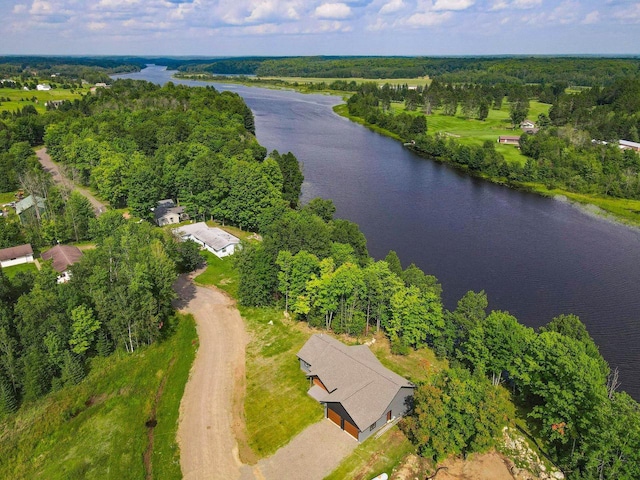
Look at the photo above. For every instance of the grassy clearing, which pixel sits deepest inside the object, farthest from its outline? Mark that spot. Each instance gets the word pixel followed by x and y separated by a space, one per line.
pixel 97 429
pixel 7 197
pixel 416 366
pixel 475 132
pixel 274 380
pixel 374 456
pixel 219 273
pixel 420 81
pixel 19 98
pixel 25 267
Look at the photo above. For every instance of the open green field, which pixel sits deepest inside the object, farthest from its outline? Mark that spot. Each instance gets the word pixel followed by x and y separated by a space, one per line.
pixel 11 272
pixel 475 132
pixel 412 82
pixel 19 98
pixel 97 429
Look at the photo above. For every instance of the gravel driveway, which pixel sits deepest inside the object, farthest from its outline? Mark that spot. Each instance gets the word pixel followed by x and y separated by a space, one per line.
pixel 208 447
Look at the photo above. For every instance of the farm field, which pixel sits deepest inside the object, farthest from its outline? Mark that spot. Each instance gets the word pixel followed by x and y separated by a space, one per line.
pixel 476 132
pixel 19 98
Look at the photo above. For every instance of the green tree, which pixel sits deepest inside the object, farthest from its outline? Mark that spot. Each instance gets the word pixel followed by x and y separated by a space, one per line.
pixel 79 213
pixel 325 209
pixel 393 261
pixel 456 414
pixel 416 317
pixel 84 329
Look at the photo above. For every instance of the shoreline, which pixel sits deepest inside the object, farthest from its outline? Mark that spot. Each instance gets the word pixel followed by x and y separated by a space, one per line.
pixel 587 207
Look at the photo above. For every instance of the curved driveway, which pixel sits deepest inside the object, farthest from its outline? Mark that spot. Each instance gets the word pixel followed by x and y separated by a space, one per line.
pixel 208 447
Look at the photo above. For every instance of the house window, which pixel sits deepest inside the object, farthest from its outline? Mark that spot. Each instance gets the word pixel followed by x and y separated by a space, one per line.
pixel 372 427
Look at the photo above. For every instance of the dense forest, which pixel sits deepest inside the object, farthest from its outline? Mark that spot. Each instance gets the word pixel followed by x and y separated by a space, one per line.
pixel 136 143
pixel 584 71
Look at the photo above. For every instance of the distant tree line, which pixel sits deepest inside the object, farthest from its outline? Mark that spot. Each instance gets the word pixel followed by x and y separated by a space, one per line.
pixel 583 71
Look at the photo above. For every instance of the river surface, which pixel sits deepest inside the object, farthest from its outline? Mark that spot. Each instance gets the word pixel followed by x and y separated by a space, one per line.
pixel 535 257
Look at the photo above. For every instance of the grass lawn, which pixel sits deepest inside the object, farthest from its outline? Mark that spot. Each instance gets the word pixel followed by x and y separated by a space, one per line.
pixel 274 380
pixel 374 456
pixel 97 429
pixel 19 98
pixel 219 273
pixel 416 366
pixel 421 81
pixel 475 132
pixel 11 272
pixel 7 197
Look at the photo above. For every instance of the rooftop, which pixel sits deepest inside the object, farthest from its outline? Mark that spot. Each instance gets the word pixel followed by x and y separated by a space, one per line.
pixel 62 256
pixel 354 377
pixel 27 203
pixel 214 237
pixel 15 252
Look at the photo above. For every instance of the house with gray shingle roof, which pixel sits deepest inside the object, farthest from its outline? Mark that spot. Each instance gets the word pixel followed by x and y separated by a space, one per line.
pixel 359 394
pixel 216 240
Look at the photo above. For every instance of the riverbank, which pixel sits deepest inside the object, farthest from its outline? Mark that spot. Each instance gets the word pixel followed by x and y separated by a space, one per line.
pixel 620 210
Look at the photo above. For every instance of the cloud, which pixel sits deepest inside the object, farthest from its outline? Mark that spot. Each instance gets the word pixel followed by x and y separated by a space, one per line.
pixel 515 4
pixel 333 11
pixel 591 18
pixel 630 14
pixel 427 19
pixel 452 4
pixel 392 7
pixel 19 8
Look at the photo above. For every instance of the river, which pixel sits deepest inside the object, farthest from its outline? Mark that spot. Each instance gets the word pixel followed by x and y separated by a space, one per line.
pixel 535 257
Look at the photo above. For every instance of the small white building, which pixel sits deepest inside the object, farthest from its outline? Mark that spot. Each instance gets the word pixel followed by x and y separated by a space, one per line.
pixel 216 240
pixel 628 145
pixel 166 213
pixel 43 87
pixel 16 255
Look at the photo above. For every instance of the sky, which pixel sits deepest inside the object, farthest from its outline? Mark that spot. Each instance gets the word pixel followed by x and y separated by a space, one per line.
pixel 319 27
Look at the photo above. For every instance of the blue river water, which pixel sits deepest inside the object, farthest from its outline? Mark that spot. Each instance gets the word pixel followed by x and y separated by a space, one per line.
pixel 534 257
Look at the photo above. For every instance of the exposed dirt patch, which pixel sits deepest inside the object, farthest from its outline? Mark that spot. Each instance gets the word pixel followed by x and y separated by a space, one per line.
pixel 211 407
pixel 488 466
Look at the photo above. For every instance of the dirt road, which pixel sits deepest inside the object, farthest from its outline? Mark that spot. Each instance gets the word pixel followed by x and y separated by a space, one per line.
pixel 60 179
pixel 208 448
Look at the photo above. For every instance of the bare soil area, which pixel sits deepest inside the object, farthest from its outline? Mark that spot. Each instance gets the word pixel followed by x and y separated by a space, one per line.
pixel 208 447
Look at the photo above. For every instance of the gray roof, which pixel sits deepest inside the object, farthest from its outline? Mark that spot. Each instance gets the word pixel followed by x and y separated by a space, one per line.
pixel 628 143
pixel 214 237
pixel 16 252
pixel 27 203
pixel 353 376
pixel 166 207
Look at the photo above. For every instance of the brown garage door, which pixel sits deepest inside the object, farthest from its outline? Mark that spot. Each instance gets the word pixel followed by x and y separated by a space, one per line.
pixel 350 429
pixel 334 417
pixel 316 381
